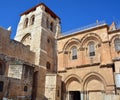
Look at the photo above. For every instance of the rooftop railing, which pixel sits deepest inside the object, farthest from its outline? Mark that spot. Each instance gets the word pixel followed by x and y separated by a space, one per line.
pixel 98 23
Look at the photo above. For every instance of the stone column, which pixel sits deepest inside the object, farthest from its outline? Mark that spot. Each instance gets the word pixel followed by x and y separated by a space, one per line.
pixel 81 96
pixel 68 95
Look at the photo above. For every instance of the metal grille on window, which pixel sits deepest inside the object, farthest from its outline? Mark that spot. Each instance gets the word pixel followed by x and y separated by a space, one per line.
pixel 91 49
pixel 74 53
pixel 117 44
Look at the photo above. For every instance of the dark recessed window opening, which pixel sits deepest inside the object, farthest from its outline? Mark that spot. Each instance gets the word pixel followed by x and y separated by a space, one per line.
pixel 26 23
pixel 32 19
pixel 25 88
pixel 51 26
pixel 1 86
pixel 48 65
pixel 48 40
pixel 1 69
pixel 58 93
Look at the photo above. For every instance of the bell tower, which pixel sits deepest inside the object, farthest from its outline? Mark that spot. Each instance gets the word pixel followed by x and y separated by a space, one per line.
pixel 38 29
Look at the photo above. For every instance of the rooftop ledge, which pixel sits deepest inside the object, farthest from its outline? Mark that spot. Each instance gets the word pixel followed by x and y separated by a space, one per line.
pixel 82 29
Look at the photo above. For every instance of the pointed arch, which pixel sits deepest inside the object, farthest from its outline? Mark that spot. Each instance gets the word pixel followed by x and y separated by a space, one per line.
pixel 93 76
pixel 91 36
pixel 71 78
pixel 71 42
pixel 25 23
pixel 26 40
pixel 115 42
pixel 32 19
pixel 113 37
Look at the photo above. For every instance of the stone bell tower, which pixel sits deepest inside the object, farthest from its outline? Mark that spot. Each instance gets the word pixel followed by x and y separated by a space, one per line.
pixel 38 29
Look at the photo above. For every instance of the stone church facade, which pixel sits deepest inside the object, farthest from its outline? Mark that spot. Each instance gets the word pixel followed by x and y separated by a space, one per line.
pixel 43 64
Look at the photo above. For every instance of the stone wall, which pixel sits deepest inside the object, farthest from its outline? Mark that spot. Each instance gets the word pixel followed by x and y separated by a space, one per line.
pixel 13 48
pixel 53 87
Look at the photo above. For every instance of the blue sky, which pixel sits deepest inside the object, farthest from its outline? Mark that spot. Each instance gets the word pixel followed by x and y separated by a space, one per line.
pixel 73 13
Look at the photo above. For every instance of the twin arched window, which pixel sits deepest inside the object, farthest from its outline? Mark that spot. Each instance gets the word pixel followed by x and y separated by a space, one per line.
pixel 32 19
pixel 91 50
pixel 117 44
pixel 91 47
pixel 74 53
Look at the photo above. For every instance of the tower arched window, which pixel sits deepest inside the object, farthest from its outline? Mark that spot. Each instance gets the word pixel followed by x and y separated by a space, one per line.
pixel 117 44
pixel 47 23
pixel 91 47
pixel 74 53
pixel 26 23
pixel 32 19
pixel 51 26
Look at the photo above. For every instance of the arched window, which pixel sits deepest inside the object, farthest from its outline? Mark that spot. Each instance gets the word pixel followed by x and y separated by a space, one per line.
pixel 91 47
pixel 32 19
pixel 117 44
pixel 1 86
pixel 26 23
pixel 48 65
pixel 51 26
pixel 1 68
pixel 74 53
pixel 47 23
pixel 25 88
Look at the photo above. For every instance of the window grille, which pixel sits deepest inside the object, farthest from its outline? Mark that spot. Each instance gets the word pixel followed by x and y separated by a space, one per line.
pixel 91 49
pixel 74 53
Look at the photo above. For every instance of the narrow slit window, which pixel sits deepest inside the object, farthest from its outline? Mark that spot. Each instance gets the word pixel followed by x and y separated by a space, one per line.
pixel 26 23
pixel 1 86
pixel 48 65
pixel 32 20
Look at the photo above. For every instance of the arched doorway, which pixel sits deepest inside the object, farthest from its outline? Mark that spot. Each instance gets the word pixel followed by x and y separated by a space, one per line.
pixel 73 88
pixel 94 88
